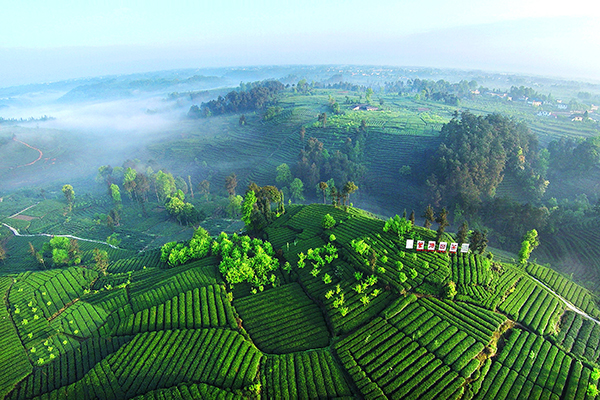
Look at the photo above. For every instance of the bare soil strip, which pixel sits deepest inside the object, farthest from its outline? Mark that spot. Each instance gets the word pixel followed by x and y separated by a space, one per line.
pixel 31 147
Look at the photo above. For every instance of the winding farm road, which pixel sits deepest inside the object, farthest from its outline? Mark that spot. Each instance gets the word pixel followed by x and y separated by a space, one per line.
pixel 567 303
pixel 31 147
pixel 16 233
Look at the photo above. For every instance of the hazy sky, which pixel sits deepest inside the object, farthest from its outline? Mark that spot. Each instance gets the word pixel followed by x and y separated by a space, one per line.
pixel 59 39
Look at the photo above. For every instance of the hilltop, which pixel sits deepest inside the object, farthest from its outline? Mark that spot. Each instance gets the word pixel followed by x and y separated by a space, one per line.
pixel 342 309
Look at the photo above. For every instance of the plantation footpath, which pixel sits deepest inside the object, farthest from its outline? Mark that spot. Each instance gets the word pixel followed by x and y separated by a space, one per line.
pixel 319 302
pixel 16 233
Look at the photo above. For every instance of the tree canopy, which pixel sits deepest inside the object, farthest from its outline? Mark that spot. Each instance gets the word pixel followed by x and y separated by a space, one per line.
pixel 258 95
pixel 476 153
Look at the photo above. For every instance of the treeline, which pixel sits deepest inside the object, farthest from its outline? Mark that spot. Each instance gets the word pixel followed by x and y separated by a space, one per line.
pixel 527 92
pixel 476 153
pixel 315 164
pixel 434 90
pixel 30 119
pixel 568 154
pixel 255 97
pixel 139 183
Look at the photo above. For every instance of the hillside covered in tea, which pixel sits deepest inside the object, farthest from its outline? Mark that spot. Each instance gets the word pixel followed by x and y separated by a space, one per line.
pixel 328 304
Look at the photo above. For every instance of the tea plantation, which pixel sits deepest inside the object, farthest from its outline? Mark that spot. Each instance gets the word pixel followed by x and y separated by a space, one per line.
pixel 344 312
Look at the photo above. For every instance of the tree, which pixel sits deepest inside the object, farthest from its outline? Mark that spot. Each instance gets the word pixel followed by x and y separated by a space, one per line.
pixel 234 205
pixel 297 190
pixel 478 241
pixel 363 126
pixel 2 253
pixel 248 207
pixel 37 256
pixel 140 190
pixel 284 175
pixel 114 216
pixel 463 231
pixel 328 221
pixel 164 184
pixel 323 186
pixel 62 250
pixel 110 222
pixel 336 196
pixel 231 184
pixel 349 188
pixel 101 260
pixel 429 216
pixel 180 184
pixel 129 181
pixel 74 254
pixel 190 185
pixel 451 290
pixel 442 220
pixel 204 188
pixel 185 213
pixel 259 210
pixel 115 193
pixel 105 175
pixel 242 120
pixel 368 95
pixel 323 119
pixel 69 195
pixel 529 243
pixel 398 225
pixel 411 218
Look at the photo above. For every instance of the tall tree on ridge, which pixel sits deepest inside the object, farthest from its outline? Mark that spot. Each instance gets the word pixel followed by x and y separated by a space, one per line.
pixel 231 184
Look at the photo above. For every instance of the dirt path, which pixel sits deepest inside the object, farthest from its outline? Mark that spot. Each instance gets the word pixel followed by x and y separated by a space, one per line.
pixel 16 233
pixel 14 215
pixel 31 147
pixel 567 303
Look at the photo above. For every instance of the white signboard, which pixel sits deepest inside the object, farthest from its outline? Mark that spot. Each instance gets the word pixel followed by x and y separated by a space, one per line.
pixel 453 247
pixel 420 245
pixel 464 248
pixel 410 243
pixel 442 247
pixel 431 246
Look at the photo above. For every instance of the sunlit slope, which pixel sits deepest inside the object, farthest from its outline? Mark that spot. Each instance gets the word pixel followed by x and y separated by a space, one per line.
pixel 350 313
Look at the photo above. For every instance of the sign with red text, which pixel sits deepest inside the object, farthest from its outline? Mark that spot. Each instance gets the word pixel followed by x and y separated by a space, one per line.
pixel 420 245
pixel 453 247
pixel 431 246
pixel 442 247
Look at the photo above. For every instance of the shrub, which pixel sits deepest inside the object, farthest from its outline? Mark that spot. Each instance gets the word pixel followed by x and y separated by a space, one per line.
pixel 328 221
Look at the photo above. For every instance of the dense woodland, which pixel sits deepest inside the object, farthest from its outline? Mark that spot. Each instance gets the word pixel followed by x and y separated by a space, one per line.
pixel 475 155
pixel 250 98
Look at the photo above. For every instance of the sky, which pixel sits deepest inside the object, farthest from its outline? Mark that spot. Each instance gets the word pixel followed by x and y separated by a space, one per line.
pixel 50 40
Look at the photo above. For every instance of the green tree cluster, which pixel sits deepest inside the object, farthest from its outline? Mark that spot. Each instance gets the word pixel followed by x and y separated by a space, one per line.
pixel 529 243
pixel 257 95
pixel 400 226
pixel 316 164
pixel 69 195
pixel 246 260
pixel 198 247
pixel 257 206
pixel 184 213
pixel 63 251
pixel 478 241
pixel 101 260
pixel 328 221
pixel 476 153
